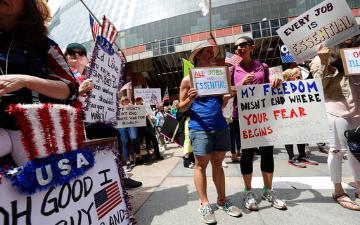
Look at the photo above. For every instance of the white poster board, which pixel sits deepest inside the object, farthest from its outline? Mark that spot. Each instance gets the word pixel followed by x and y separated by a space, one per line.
pixel 132 116
pixel 210 81
pixel 105 72
pixel 351 60
pixel 150 96
pixel 72 203
pixel 276 72
pixel 328 23
pixel 292 114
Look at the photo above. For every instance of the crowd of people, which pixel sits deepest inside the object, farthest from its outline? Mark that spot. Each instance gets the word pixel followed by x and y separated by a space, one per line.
pixel 33 69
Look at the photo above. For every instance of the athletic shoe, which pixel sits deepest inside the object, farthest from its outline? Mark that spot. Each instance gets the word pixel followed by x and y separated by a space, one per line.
pixel 323 148
pixel 131 184
pixel 224 164
pixel 271 197
pixel 250 201
pixel 128 167
pixel 308 161
pixel 296 163
pixel 207 214
pixel 230 209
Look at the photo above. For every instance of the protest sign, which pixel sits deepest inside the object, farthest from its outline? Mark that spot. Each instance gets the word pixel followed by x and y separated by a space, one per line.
pixel 351 60
pixel 132 116
pixel 97 197
pixel 210 81
pixel 294 113
pixel 105 71
pixel 276 72
pixel 150 96
pixel 328 23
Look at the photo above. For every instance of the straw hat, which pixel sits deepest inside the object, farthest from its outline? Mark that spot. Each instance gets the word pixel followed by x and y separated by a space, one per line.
pixel 199 47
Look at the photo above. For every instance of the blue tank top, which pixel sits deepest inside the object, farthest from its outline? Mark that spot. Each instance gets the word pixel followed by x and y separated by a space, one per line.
pixel 206 114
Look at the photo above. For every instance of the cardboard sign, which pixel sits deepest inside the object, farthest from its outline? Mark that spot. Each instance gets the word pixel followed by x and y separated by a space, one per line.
pixel 150 96
pixel 105 71
pixel 276 72
pixel 132 116
pixel 292 114
pixel 210 81
pixel 351 60
pixel 328 23
pixel 96 197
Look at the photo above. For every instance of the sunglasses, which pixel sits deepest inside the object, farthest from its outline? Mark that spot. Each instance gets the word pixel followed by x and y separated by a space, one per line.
pixel 80 53
pixel 241 45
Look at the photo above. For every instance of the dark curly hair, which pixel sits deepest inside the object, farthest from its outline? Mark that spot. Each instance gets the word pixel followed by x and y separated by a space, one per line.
pixel 31 27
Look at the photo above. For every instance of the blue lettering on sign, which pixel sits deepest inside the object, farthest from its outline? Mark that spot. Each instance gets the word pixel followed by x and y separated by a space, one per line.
pixel 105 45
pixel 209 85
pixel 54 170
pixel 286 88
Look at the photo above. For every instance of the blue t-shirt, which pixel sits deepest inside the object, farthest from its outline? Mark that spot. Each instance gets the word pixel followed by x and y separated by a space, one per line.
pixel 206 114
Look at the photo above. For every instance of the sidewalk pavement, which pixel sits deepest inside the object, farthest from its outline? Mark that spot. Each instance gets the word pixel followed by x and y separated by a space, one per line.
pixel 168 194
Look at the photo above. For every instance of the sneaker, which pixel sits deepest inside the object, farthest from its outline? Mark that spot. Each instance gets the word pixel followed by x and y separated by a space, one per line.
pixel 207 214
pixel 250 201
pixel 271 197
pixel 308 161
pixel 296 163
pixel 187 163
pixel 128 167
pixel 131 184
pixel 191 165
pixel 224 164
pixel 235 158
pixel 230 209
pixel 323 148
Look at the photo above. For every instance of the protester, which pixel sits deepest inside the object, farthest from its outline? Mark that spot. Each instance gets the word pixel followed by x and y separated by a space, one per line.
pixel 128 134
pixel 251 71
pixel 159 122
pixel 32 67
pixel 174 108
pixel 76 56
pixel 209 136
pixel 342 101
pixel 293 74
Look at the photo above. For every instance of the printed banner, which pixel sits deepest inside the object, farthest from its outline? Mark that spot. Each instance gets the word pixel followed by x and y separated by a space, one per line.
pixel 105 71
pixel 132 116
pixel 150 96
pixel 210 80
pixel 292 114
pixel 96 197
pixel 351 60
pixel 328 23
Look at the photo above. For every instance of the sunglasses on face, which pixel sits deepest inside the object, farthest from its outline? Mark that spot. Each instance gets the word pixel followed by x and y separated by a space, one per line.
pixel 80 53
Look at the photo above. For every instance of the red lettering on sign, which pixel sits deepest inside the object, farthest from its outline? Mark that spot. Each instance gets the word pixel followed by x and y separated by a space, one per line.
pixel 285 114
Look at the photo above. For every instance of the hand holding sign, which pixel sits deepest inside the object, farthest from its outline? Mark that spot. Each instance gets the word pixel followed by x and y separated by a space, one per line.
pixel 324 54
pixel 248 79
pixel 192 94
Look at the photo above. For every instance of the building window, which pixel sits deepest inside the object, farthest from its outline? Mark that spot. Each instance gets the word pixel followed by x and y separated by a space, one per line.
pixel 170 41
pixel 246 27
pixel 256 34
pixel 274 23
pixel 264 24
pixel 255 26
pixel 163 51
pixel 266 33
pixel 148 46
pixel 156 52
pixel 283 21
pixel 156 45
pixel 171 49
pixel 162 43
pixel 178 40
pixel 273 31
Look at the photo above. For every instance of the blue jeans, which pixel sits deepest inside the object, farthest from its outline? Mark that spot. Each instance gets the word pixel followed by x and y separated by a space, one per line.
pixel 206 142
pixel 126 134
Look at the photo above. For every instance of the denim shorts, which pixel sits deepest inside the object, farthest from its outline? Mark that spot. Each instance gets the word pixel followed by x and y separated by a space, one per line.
pixel 206 142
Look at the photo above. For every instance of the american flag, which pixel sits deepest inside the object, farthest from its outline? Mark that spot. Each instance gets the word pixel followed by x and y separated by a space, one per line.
pixel 232 59
pixel 285 55
pixel 95 27
pixel 107 199
pixel 108 30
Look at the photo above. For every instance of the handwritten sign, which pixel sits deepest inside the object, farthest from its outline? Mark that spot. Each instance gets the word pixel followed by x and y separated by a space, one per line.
pixel 132 116
pixel 276 72
pixel 351 60
pixel 105 71
pixel 292 114
pixel 210 80
pixel 78 202
pixel 328 23
pixel 150 96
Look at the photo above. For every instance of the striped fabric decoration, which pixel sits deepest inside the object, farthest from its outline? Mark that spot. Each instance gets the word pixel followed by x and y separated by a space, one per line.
pixel 48 128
